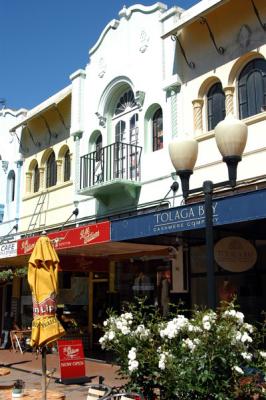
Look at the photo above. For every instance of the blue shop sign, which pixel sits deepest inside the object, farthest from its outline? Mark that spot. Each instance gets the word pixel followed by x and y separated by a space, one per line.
pixel 232 209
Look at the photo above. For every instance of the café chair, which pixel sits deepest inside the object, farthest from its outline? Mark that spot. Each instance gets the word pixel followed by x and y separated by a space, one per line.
pixel 98 391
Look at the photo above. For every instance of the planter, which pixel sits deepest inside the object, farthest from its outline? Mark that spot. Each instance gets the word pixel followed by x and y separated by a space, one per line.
pixel 16 393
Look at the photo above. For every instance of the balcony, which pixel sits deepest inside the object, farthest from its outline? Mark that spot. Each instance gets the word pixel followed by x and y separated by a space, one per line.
pixel 112 174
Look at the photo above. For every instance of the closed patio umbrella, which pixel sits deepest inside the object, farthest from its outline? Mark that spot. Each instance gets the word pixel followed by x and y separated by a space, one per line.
pixel 43 280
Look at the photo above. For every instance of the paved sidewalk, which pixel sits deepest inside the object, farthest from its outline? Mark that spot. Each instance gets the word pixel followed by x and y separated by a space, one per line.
pixel 27 367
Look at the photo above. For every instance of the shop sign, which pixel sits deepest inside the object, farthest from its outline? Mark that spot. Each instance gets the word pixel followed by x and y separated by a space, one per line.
pixel 76 237
pixel 235 254
pixel 72 360
pixel 8 250
pixel 248 206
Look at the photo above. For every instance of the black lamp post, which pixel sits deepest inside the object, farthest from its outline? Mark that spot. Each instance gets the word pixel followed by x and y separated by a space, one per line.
pixel 231 138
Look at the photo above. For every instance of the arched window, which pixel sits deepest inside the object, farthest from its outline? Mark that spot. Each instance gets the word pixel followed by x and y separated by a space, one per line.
pixel 125 103
pixel 36 179
pixel 11 186
pixel 157 130
pixel 216 105
pixel 67 166
pixel 252 88
pixel 51 171
pixel 98 147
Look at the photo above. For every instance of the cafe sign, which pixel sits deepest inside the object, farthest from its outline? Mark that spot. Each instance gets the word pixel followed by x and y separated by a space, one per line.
pixel 235 254
pixel 8 250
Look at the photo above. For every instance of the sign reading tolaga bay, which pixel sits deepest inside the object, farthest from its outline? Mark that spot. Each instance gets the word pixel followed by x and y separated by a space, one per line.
pixel 232 209
pixel 182 218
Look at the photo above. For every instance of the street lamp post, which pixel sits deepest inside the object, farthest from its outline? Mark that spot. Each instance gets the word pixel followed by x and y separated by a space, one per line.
pixel 231 138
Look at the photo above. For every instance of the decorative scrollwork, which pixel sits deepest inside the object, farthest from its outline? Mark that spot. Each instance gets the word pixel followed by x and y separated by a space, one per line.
pixel 220 50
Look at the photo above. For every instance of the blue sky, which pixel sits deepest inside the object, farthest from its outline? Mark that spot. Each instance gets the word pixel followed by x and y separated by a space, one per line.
pixel 44 41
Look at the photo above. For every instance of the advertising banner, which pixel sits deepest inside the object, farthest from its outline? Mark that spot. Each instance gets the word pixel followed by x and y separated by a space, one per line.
pixel 81 236
pixel 72 360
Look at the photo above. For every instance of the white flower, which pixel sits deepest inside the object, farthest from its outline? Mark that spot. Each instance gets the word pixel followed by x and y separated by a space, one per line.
pixel 207 325
pixel 263 354
pixel 246 356
pixel 132 353
pixel 238 370
pixel 105 323
pixel 132 365
pixel 111 335
pixel 174 326
pixel 189 344
pixel 125 330
pixel 249 328
pixel 239 316
pixel 246 338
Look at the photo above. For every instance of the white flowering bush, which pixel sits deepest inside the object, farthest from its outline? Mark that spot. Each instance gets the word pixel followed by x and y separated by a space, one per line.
pixel 211 355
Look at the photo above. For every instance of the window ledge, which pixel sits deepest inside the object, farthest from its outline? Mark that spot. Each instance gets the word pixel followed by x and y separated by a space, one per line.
pixel 249 121
pixel 62 185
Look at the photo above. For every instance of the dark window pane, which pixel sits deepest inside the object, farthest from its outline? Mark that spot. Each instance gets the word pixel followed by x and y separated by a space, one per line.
pixel 67 166
pixel 157 130
pixel 216 105
pixel 36 179
pixel 51 171
pixel 252 88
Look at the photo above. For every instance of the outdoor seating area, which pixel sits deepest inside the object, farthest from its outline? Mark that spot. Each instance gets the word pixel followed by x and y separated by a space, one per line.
pixel 19 339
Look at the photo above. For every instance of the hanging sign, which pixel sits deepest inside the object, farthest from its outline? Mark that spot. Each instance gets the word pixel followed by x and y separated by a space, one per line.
pixel 235 254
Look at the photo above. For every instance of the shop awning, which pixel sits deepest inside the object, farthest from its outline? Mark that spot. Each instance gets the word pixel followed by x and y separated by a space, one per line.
pixel 193 14
pixel 46 105
pixel 113 251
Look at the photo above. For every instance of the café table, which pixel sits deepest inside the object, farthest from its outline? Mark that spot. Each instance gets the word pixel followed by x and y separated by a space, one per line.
pixel 32 394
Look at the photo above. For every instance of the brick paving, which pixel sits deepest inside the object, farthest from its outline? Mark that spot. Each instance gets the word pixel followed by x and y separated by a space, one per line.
pixel 27 366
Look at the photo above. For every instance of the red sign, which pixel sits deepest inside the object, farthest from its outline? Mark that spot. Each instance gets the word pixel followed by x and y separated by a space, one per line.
pixel 81 236
pixel 72 360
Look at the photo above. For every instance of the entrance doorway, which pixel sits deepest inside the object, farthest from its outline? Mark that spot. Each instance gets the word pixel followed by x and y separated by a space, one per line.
pixel 98 304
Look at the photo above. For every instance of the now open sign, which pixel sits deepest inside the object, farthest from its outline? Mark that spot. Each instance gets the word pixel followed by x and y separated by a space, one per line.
pixel 72 360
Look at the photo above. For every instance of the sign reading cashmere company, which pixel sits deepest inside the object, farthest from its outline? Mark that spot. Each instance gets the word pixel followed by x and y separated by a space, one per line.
pixel 247 206
pixel 171 220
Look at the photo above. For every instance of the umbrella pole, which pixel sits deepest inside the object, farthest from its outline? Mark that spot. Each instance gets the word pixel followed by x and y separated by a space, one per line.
pixel 44 373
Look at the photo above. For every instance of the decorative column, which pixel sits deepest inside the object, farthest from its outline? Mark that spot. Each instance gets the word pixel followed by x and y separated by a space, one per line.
pixel 59 164
pixel 172 91
pixel 197 114
pixel 77 119
pixel 42 183
pixel 28 181
pixel 229 99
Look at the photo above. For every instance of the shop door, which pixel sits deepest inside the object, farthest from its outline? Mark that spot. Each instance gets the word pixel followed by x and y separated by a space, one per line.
pixel 98 304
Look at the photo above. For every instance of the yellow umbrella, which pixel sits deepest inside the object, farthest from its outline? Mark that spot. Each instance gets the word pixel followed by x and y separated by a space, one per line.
pixel 43 281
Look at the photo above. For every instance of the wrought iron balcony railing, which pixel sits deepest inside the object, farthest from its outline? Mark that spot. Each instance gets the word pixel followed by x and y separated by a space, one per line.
pixel 116 161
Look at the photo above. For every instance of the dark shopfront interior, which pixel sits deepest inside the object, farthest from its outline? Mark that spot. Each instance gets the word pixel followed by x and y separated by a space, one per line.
pixel 89 286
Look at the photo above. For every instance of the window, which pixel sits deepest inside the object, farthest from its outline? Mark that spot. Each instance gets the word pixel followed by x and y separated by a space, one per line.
pixel 157 130
pixel 125 103
pixel 67 166
pixel 252 88
pixel 11 187
pixel 216 105
pixel 98 147
pixel 120 130
pixel 36 179
pixel 51 171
